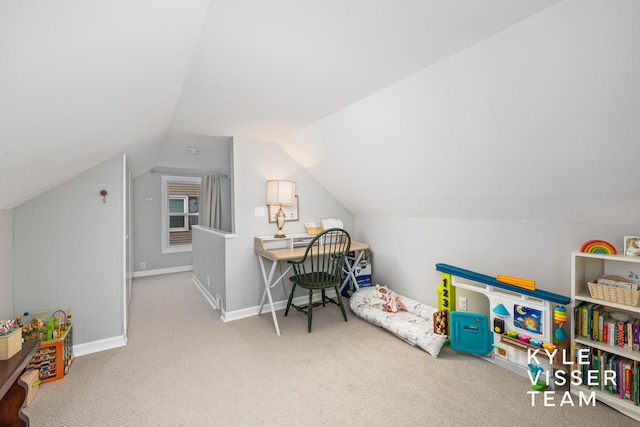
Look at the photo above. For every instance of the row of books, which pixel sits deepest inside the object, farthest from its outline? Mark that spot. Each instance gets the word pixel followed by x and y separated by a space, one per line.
pixel 594 322
pixel 622 378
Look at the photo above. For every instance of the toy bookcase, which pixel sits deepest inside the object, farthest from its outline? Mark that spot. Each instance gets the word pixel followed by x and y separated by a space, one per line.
pixel 54 357
pixel 510 353
pixel 617 357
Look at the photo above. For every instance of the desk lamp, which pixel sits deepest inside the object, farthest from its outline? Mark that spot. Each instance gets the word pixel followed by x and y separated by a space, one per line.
pixel 280 193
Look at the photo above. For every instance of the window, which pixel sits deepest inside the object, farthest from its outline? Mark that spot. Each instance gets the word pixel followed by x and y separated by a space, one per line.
pixel 183 210
pixel 180 198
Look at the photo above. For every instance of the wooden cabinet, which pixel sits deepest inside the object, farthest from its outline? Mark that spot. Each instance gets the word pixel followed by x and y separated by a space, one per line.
pixel 613 353
pixel 13 390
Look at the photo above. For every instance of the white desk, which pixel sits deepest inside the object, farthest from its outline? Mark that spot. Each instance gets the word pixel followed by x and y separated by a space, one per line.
pixel 292 247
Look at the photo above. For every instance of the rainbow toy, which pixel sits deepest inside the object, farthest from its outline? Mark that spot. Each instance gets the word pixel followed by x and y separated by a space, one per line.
pixel 598 247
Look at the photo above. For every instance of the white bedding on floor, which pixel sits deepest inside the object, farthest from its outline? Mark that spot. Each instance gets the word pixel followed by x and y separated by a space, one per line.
pixel 415 325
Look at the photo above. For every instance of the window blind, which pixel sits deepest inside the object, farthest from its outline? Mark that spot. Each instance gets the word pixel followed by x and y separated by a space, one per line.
pixel 176 189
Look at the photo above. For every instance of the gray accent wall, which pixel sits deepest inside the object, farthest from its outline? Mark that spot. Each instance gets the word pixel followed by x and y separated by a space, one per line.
pixel 147 193
pixel 147 227
pixel 406 250
pixel 68 252
pixel 255 162
pixel 6 263
pixel 210 263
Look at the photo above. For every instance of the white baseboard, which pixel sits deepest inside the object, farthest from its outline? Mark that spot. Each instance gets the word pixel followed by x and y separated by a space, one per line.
pixel 100 345
pixel 158 271
pixel 216 304
pixel 277 305
pixel 251 311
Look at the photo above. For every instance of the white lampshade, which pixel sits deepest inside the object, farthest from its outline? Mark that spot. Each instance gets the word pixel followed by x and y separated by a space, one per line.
pixel 281 193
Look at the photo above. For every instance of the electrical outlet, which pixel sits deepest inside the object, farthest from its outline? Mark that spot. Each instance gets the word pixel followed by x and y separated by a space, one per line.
pixel 462 304
pixel 259 211
pixel 143 265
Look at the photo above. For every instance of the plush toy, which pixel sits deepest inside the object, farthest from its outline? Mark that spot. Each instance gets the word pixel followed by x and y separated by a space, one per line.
pixel 392 302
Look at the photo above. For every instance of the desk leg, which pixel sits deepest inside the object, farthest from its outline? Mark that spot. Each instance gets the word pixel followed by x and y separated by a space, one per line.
pixel 266 280
pixel 349 268
pixel 267 291
pixel 268 284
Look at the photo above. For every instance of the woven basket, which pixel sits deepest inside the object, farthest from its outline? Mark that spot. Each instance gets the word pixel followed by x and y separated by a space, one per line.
pixel 614 294
pixel 313 231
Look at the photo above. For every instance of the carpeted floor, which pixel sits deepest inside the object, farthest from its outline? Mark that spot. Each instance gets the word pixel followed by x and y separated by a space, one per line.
pixel 184 367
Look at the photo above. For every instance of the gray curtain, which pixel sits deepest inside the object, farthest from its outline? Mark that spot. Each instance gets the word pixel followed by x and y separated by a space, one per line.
pixel 210 210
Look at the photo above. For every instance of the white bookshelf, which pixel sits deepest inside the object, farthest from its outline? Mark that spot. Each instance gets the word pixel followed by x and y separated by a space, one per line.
pixel 587 267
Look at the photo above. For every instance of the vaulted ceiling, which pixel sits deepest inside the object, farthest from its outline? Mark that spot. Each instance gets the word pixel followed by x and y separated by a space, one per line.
pixel 82 80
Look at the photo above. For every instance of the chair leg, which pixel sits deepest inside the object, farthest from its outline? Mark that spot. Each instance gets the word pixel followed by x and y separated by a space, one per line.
pixel 310 309
pixel 323 298
pixel 344 313
pixel 293 288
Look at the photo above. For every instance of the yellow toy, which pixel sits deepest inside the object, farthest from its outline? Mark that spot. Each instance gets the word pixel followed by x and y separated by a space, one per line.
pixel 548 346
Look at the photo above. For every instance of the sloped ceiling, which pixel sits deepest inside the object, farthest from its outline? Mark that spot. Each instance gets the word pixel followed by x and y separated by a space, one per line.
pixel 264 69
pixel 81 81
pixel 537 123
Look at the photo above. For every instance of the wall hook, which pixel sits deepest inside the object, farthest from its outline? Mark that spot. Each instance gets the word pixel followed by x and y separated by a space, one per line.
pixel 103 193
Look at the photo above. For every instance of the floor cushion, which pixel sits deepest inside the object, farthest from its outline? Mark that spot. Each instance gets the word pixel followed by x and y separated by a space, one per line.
pixel 414 325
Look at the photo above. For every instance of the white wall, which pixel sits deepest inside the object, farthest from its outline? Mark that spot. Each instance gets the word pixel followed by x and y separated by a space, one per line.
pixel 6 264
pixel 405 250
pixel 255 162
pixel 68 253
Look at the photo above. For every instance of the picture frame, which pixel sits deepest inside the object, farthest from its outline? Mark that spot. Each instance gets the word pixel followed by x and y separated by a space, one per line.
pixel 528 319
pixel 292 213
pixel 632 245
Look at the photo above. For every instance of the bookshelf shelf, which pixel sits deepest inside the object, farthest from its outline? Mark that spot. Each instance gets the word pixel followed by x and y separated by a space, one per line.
pixel 586 297
pixel 586 267
pixel 624 352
